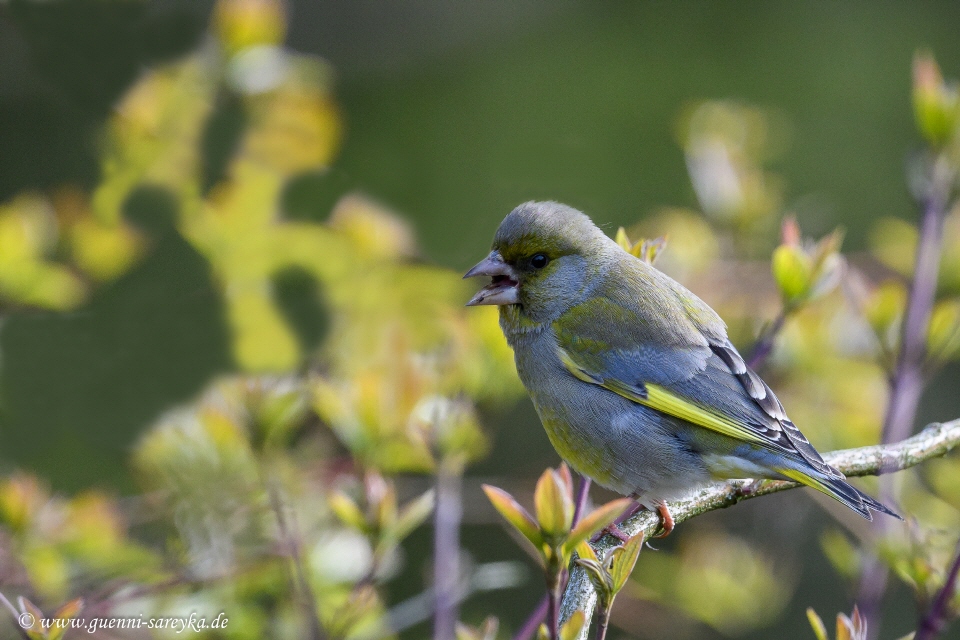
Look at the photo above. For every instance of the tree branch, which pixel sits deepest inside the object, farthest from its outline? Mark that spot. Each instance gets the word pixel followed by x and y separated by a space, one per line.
pixel 934 441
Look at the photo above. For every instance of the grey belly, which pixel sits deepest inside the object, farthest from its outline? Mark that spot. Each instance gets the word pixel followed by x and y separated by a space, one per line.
pixel 622 445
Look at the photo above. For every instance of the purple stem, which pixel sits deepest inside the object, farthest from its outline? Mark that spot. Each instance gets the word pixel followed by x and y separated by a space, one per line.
pixel 906 382
pixel 933 623
pixel 906 385
pixel 764 346
pixel 446 551
pixel 583 493
pixel 553 610
pixel 533 622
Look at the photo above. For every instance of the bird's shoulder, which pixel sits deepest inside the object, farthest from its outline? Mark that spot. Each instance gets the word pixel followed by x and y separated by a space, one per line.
pixel 639 325
pixel 642 328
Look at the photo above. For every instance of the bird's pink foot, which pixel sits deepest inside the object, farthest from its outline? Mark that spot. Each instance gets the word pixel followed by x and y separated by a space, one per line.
pixel 749 488
pixel 666 520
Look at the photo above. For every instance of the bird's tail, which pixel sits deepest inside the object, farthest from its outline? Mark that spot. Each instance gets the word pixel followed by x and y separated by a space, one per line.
pixel 839 489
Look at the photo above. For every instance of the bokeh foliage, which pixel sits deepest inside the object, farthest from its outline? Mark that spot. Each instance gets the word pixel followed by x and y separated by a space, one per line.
pixel 306 459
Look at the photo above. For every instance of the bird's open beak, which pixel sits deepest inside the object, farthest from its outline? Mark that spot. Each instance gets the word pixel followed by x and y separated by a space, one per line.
pixel 503 287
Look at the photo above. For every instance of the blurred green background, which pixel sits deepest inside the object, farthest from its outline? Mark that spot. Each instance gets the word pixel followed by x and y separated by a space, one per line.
pixel 453 113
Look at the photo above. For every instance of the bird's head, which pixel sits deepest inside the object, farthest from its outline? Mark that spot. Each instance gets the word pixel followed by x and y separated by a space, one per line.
pixel 545 255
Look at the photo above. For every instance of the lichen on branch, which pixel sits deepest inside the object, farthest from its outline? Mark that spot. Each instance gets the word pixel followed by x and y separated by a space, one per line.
pixel 934 441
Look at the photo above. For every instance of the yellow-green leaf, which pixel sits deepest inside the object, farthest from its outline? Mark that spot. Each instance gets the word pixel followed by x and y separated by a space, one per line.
pixel 792 271
pixel 624 560
pixel 386 507
pixel 554 505
pixel 596 520
pixel 819 629
pixel 601 580
pixel 935 105
pixel 586 552
pixel 572 627
pixel 943 342
pixel 412 515
pixel 513 513
pixel 348 511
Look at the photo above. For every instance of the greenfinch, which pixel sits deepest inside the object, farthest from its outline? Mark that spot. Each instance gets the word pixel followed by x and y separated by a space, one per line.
pixel 632 375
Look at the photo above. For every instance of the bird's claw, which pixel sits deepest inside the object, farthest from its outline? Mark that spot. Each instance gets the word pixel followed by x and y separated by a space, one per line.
pixel 749 488
pixel 666 520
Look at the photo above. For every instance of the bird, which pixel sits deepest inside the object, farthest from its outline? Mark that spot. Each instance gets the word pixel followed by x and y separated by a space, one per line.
pixel 632 375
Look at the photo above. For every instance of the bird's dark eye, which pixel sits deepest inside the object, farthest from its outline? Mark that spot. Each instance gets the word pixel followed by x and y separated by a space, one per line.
pixel 539 261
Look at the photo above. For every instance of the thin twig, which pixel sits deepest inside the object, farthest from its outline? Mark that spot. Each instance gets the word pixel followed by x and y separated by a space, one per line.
pixel 446 550
pixel 908 377
pixel 603 623
pixel 533 621
pixel 583 494
pixel 764 345
pixel 906 384
pixel 936 619
pixel 553 611
pixel 934 441
pixel 291 544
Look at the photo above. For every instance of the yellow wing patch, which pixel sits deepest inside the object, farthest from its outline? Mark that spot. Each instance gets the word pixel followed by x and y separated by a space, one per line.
pixel 802 478
pixel 656 397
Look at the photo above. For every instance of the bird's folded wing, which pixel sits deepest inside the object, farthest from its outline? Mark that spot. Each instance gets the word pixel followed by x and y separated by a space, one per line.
pixel 703 381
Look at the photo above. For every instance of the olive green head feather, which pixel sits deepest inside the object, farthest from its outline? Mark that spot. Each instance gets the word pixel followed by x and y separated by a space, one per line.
pixel 545 257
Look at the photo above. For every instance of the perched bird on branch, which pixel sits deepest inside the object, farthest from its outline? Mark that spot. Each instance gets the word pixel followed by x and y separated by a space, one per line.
pixel 633 376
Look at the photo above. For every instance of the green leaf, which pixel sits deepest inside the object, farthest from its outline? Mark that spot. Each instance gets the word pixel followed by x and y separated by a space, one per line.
pixel 348 511
pixel 934 104
pixel 564 472
pixel 819 629
pixel 386 507
pixel 624 560
pixel 515 514
pixel 572 627
pixel 595 521
pixel 792 269
pixel 600 578
pixel 943 342
pixel 585 551
pixel 553 500
pixel 413 515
